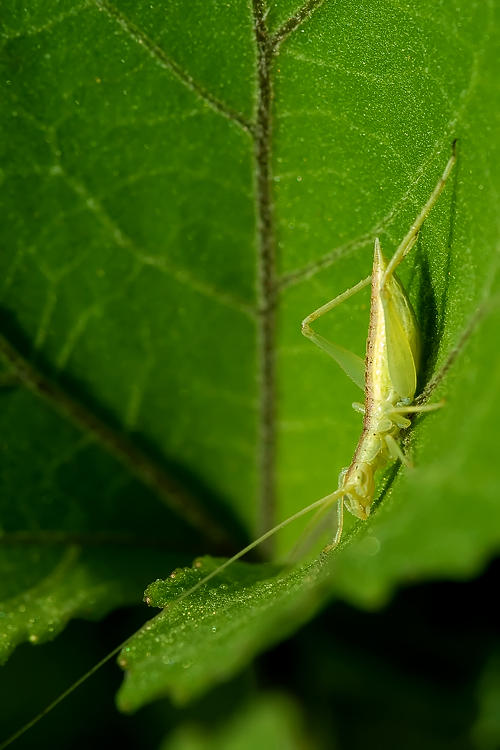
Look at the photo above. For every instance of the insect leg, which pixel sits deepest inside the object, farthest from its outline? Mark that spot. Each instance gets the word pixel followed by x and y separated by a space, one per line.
pixel 314 530
pixel 358 407
pixel 396 452
pixel 417 409
pixel 340 526
pixel 411 235
pixel 396 413
pixel 352 365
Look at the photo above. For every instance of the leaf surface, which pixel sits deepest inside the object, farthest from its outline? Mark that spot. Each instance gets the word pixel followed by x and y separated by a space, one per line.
pixel 142 264
pixel 212 634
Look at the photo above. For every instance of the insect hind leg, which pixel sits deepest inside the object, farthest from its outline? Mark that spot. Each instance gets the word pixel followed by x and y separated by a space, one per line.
pixel 352 365
pixel 411 236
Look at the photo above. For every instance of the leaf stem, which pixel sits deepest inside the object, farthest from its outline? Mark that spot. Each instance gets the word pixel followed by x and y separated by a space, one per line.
pixel 266 275
pixel 267 280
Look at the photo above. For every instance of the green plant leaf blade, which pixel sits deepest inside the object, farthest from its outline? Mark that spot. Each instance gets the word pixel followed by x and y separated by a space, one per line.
pixel 272 721
pixel 128 276
pixel 214 632
pixel 86 585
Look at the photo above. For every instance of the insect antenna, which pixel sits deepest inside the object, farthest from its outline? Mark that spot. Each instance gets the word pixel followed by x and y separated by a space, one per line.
pixel 314 530
pixel 325 501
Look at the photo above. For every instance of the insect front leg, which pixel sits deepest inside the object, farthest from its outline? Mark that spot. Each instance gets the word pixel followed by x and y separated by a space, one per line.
pixel 314 530
pixel 360 408
pixel 352 365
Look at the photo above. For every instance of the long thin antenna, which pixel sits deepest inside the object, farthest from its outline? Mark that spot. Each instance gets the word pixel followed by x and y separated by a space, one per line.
pixel 327 500
pixel 415 227
pixel 61 697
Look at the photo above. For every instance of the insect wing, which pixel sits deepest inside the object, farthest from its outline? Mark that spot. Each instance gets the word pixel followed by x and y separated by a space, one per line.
pixel 400 354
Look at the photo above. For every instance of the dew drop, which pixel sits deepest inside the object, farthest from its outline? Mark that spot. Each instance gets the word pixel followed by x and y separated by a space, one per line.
pixel 370 546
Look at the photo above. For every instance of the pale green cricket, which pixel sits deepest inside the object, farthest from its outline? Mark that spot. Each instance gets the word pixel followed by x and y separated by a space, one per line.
pixel 388 376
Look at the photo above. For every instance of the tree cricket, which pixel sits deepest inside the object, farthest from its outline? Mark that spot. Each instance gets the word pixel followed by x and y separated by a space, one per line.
pixel 388 374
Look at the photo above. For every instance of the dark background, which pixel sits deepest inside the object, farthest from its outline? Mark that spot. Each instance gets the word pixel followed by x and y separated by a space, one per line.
pixel 404 677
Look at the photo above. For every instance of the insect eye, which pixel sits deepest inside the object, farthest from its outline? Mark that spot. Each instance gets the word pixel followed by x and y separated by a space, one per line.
pixel 359 477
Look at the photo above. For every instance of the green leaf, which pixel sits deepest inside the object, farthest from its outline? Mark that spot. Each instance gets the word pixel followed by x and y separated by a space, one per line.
pixel 80 584
pixel 271 722
pixel 207 637
pixel 176 199
pixel 161 593
pixel 486 730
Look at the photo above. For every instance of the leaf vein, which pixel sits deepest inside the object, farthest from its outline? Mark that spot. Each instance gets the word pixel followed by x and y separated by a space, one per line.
pixel 166 62
pixel 296 276
pixel 177 497
pixel 49 25
pixel 161 264
pixel 292 23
